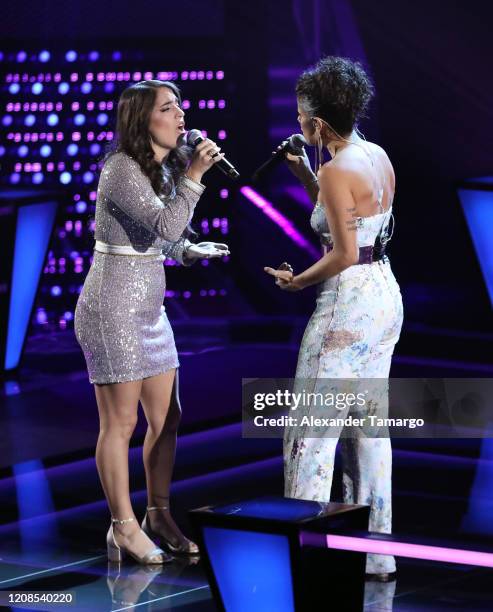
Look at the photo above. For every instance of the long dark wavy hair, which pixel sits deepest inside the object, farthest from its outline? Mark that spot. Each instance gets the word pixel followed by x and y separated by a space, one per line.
pixel 132 136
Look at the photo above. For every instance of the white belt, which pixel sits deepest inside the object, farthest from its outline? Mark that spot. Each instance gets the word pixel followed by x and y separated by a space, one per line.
pixel 120 249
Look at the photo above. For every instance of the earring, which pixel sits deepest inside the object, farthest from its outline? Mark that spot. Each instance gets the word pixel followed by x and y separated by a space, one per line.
pixel 319 149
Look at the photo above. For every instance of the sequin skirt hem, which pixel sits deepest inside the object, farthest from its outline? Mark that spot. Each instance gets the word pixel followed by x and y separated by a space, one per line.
pixel 134 377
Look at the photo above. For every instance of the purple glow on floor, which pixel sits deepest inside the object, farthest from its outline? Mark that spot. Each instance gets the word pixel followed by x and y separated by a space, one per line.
pixel 413 551
pixel 279 219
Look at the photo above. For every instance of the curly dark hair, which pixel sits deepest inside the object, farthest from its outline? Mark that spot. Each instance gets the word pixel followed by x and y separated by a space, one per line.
pixel 337 90
pixel 132 136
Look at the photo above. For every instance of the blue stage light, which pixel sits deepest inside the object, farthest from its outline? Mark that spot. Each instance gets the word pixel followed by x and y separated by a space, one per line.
pixel 34 225
pixel 93 56
pixel 37 88
pixel 29 120
pixel 71 56
pixel 72 149
pixel 262 560
pixel 44 56
pixel 63 88
pixel 94 149
pixel 81 207
pixel 109 87
pixel 38 178
pixel 14 88
pixel 52 120
pixel 102 119
pixel 86 88
pixel 116 56
pixel 79 119
pixel 7 120
pixel 65 178
pixel 21 56
pixel 22 151
pixel 2 151
pixel 15 177
pixel 56 291
pixel 45 150
pixel 478 209
pixel 88 177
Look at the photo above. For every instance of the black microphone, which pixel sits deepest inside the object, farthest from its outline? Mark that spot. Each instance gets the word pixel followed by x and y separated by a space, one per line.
pixel 194 137
pixel 293 145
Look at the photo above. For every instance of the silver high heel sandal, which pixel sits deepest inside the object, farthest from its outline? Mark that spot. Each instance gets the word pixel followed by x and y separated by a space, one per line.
pixel 186 548
pixel 116 553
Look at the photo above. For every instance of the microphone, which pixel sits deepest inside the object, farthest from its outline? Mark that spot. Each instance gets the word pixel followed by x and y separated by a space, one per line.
pixel 293 145
pixel 194 137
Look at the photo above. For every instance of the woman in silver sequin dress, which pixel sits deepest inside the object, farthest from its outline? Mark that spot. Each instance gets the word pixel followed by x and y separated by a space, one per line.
pixel 146 196
pixel 358 316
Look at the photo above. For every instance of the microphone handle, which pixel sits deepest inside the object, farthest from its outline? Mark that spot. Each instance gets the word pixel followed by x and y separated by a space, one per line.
pixel 223 164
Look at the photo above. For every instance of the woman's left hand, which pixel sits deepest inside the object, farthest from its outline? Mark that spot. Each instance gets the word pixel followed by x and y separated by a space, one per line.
pixel 207 250
pixel 284 277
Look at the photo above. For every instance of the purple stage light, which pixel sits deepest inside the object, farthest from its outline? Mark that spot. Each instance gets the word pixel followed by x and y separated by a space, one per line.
pixel 221 103
pixel 279 219
pixel 90 105
pixel 41 317
pixel 224 193
pixel 74 77
pixel 71 56
pixel 184 75
pixel 21 56
pixel 15 177
pixel 413 551
pixel 211 104
pixel 7 120
pixel 186 104
pixel 209 75
pixel 187 294
pixel 219 75
pixel 221 134
pixel 205 262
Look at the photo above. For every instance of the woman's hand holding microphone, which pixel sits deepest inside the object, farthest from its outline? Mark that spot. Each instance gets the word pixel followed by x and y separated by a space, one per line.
pixel 205 155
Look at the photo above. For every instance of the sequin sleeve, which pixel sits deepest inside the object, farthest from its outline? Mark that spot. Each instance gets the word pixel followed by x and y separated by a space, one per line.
pixel 124 183
pixel 176 250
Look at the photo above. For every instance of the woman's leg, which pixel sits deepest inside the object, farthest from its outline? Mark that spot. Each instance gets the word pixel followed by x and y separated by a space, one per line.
pixel 163 417
pixel 117 406
pixel 161 404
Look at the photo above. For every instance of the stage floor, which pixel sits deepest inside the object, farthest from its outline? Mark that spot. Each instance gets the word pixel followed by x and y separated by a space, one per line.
pixel 54 517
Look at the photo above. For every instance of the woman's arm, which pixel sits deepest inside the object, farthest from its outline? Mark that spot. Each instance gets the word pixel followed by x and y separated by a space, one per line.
pixel 123 181
pixel 339 208
pixel 177 251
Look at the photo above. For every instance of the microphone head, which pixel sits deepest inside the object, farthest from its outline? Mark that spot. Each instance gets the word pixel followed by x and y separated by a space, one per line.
pixel 296 142
pixel 194 137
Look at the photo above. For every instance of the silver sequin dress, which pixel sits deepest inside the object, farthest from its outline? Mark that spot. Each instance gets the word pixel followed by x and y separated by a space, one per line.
pixel 120 320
